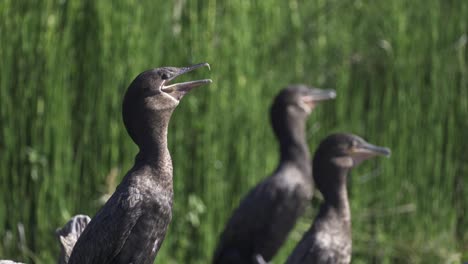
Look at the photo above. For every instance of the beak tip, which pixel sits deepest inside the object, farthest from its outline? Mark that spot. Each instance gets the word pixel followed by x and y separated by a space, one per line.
pixel 387 152
pixel 322 95
pixel 206 64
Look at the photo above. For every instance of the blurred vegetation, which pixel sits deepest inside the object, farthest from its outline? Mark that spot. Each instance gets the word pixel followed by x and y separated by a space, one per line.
pixel 400 69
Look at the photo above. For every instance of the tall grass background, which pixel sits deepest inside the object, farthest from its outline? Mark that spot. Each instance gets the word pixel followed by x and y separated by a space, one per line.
pixel 399 68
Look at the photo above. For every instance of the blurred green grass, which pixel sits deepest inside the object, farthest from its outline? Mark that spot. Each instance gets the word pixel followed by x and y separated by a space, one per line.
pixel 399 68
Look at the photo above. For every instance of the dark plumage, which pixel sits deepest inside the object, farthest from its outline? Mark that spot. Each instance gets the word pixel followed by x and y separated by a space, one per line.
pixel 264 218
pixel 329 238
pixel 131 226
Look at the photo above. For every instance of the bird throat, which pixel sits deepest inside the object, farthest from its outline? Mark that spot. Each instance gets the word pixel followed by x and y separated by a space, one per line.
pixel 292 140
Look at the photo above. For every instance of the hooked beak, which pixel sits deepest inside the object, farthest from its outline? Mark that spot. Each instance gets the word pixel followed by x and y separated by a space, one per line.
pixel 366 150
pixel 178 90
pixel 309 101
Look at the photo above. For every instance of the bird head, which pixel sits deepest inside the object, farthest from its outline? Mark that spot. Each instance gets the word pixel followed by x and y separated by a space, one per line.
pixel 152 96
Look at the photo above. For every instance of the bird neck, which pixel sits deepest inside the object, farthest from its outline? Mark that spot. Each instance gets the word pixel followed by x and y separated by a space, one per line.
pixel 152 143
pixel 331 181
pixel 334 214
pixel 151 132
pixel 292 141
pixel 334 217
pixel 338 202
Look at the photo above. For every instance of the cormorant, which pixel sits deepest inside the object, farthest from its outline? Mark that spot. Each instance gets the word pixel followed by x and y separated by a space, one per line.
pixel 69 234
pixel 329 238
pixel 264 218
pixel 131 226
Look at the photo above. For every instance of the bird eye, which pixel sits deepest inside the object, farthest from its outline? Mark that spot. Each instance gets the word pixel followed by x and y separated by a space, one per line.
pixel 164 76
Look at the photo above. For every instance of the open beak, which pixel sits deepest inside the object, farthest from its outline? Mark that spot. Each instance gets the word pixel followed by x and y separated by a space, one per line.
pixel 178 90
pixel 366 150
pixel 309 101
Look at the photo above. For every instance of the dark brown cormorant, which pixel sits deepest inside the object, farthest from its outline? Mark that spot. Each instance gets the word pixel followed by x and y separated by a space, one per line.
pixel 329 238
pixel 261 223
pixel 69 234
pixel 131 226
